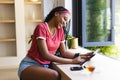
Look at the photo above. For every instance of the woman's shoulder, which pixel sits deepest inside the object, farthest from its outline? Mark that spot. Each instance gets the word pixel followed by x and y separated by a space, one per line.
pixel 41 25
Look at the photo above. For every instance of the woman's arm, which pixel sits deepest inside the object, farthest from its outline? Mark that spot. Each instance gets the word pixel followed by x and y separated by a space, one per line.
pixel 64 52
pixel 47 56
pixel 68 54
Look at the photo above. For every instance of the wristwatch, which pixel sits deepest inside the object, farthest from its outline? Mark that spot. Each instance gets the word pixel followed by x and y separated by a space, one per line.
pixel 76 55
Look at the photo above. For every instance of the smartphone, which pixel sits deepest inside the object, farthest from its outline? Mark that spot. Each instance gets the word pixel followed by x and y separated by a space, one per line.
pixel 76 68
pixel 96 51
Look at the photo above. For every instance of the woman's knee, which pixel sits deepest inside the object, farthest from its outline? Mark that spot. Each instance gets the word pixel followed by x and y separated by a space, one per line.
pixel 39 73
pixel 55 75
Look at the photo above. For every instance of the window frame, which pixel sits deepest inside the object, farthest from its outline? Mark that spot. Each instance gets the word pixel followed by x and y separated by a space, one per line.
pixel 79 18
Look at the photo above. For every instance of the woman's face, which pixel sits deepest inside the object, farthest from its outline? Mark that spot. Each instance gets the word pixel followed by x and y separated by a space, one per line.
pixel 62 19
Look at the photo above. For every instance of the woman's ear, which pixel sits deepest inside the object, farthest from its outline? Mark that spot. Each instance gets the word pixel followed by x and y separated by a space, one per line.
pixel 56 14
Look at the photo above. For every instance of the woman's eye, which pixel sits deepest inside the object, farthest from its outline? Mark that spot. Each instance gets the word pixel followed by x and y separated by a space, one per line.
pixel 65 18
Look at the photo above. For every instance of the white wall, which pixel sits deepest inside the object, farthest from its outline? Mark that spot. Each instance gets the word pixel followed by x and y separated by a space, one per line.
pixel 50 4
pixel 68 5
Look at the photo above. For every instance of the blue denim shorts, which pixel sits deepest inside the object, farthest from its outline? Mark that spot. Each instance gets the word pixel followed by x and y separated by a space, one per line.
pixel 26 62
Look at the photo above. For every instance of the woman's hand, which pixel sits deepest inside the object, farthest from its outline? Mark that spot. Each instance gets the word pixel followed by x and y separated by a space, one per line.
pixel 83 58
pixel 87 55
pixel 78 60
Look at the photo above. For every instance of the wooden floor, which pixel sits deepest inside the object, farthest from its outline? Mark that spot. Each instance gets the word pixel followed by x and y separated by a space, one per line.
pixel 8 74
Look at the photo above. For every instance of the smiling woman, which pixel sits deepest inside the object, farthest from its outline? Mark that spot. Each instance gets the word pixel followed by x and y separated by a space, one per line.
pixel 47 38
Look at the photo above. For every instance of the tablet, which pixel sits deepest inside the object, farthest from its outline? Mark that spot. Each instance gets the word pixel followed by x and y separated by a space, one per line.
pixel 95 52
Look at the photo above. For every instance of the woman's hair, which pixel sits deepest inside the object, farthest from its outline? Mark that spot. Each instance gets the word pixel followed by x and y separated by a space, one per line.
pixel 52 12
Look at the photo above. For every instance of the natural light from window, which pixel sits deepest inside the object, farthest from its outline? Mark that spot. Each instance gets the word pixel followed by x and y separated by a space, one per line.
pixel 117 23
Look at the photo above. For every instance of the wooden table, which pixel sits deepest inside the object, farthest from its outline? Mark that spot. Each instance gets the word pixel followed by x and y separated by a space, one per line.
pixel 106 68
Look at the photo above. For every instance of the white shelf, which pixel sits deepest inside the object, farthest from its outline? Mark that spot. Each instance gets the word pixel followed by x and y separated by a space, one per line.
pixel 33 16
pixel 33 3
pixel 14 24
pixel 37 20
pixel 12 40
pixel 6 2
pixel 7 21
pixel 7 39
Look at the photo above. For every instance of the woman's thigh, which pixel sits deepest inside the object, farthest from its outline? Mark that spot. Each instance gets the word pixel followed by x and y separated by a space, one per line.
pixel 39 73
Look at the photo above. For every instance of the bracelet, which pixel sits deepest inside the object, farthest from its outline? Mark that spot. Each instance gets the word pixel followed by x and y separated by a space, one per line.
pixel 76 55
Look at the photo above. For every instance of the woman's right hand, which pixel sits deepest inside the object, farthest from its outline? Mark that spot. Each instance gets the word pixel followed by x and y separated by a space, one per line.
pixel 78 60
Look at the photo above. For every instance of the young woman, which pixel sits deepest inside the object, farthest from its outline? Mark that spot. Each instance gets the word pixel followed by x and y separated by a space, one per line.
pixel 47 38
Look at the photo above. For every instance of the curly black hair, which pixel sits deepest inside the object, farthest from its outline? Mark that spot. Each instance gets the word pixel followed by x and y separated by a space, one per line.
pixel 52 12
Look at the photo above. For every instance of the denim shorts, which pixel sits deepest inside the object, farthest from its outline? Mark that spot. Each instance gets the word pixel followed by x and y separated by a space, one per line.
pixel 26 62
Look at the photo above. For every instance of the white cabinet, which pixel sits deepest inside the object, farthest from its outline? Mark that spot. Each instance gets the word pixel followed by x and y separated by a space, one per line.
pixel 18 19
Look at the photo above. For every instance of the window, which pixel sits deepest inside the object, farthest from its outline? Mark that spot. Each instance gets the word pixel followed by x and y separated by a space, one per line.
pixel 93 22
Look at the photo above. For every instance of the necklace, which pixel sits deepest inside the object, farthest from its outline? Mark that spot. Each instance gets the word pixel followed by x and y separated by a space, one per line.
pixel 52 30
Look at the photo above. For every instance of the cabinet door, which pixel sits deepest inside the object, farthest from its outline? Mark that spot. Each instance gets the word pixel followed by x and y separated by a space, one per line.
pixel 33 16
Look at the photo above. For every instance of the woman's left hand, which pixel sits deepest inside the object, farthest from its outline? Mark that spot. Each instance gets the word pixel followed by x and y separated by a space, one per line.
pixel 87 55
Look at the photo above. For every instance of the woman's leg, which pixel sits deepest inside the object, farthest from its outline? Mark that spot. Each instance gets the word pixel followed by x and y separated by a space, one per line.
pixel 39 73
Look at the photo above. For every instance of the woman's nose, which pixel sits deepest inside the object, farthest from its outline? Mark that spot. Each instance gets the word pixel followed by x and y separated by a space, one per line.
pixel 64 23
